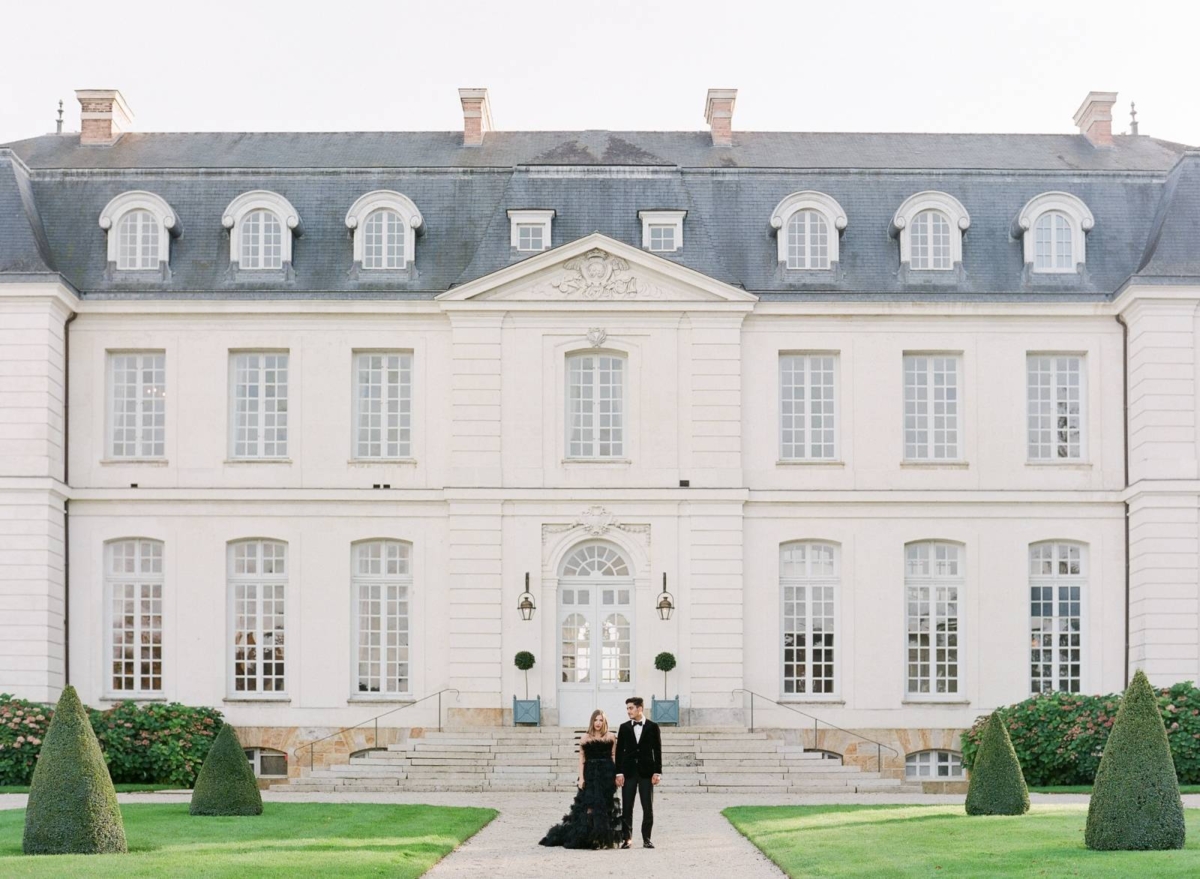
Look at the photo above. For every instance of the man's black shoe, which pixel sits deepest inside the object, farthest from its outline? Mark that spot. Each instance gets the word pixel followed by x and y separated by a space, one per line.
pixel 647 844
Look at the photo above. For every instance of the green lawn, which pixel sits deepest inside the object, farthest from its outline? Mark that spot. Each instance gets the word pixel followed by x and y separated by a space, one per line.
pixel 1087 789
pixel 887 842
pixel 288 839
pixel 121 788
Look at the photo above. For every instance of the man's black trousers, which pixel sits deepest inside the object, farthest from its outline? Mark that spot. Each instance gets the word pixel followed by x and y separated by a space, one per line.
pixel 644 789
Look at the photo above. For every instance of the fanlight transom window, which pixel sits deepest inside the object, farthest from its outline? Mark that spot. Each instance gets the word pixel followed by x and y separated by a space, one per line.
pixel 595 560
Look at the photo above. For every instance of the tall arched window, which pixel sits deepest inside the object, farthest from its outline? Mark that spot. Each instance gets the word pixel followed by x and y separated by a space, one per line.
pixel 382 583
pixel 1053 251
pixel 807 241
pixel 384 234
pixel 808 583
pixel 262 241
pixel 930 241
pixel 134 588
pixel 934 578
pixel 596 405
pixel 1057 580
pixel 257 611
pixel 137 241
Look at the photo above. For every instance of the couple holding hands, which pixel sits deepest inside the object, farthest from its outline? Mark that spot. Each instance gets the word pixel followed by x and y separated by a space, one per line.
pixel 630 760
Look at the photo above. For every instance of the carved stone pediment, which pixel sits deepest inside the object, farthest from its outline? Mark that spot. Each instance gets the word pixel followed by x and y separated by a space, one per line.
pixel 598 274
pixel 595 521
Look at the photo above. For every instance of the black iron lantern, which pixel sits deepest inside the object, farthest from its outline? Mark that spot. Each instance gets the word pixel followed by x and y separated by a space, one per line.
pixel 666 601
pixel 525 603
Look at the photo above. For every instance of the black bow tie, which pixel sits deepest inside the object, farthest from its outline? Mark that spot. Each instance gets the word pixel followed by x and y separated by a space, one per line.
pixel 637 723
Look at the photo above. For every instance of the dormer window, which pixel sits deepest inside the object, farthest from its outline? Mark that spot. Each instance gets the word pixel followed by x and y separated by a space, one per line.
pixel 1054 226
pixel 808 228
pixel 261 227
pixel 140 226
pixel 385 225
pixel 529 229
pixel 930 227
pixel 662 231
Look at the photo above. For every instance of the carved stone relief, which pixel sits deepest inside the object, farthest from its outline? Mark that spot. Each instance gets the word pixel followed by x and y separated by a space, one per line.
pixel 598 275
pixel 596 521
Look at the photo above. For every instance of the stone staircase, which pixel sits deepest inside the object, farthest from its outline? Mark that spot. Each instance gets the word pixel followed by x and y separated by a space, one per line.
pixel 695 760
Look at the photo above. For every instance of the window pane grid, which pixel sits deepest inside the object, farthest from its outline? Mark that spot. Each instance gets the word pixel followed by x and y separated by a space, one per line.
pixel 260 416
pixel 933 764
pixel 382 588
pixel 931 407
pixel 595 406
pixel 615 650
pixel 808 583
pixel 135 590
pixel 807 416
pixel 929 241
pixel 258 581
pixel 662 237
pixel 530 236
pixel 137 241
pixel 1055 420
pixel 384 405
pixel 1056 584
pixel 933 579
pixel 1052 243
pixel 262 241
pixel 383 241
pixel 576 640
pixel 807 241
pixel 138 405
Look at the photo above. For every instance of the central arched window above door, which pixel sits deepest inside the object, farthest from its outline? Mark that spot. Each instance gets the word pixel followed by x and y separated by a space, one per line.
pixel 595 560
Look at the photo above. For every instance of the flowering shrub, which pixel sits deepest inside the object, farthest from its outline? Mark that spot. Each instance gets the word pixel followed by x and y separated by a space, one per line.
pixel 154 743
pixel 1060 737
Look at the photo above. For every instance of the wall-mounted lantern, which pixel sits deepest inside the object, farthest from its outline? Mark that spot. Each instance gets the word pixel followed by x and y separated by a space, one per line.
pixel 666 601
pixel 525 603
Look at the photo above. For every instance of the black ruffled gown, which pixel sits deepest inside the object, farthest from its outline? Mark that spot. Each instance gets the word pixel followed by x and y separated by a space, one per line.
pixel 595 817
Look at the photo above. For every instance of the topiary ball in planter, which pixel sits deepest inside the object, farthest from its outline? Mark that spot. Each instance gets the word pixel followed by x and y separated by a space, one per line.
pixel 226 784
pixel 1135 801
pixel 997 786
pixel 72 806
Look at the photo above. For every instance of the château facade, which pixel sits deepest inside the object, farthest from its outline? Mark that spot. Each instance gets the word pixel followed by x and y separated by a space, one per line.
pixel 905 424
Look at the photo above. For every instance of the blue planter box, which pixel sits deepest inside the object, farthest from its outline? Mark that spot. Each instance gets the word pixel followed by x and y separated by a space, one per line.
pixel 527 711
pixel 664 710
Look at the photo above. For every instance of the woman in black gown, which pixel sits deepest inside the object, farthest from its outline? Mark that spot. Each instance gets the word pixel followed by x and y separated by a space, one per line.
pixel 594 820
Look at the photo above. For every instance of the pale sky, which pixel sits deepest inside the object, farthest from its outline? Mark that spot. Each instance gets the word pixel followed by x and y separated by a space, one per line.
pixel 903 65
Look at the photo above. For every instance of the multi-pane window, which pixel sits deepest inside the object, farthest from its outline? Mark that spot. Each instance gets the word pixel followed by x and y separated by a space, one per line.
pixel 933 765
pixel 260 405
pixel 382 593
pixel 595 406
pixel 615 652
pixel 267 763
pixel 531 236
pixel 807 241
pixel 576 645
pixel 137 404
pixel 662 237
pixel 933 583
pixel 929 241
pixel 134 585
pixel 931 407
pixel 1056 584
pixel 257 584
pixel 1056 390
pixel 383 241
pixel 1052 243
pixel 261 235
pixel 808 582
pixel 806 407
pixel 137 241
pixel 383 405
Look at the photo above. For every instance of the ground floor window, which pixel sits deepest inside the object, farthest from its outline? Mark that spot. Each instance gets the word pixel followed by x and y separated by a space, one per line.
pixel 934 580
pixel 267 763
pixel 808 580
pixel 134 583
pixel 382 590
pixel 1057 579
pixel 933 765
pixel 257 587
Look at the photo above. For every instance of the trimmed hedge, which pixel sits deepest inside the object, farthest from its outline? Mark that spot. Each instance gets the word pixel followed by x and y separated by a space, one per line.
pixel 1135 802
pixel 1059 737
pixel 226 785
pixel 997 786
pixel 148 744
pixel 72 805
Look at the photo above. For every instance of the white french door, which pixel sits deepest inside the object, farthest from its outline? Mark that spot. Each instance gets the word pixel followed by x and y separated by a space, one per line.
pixel 595 657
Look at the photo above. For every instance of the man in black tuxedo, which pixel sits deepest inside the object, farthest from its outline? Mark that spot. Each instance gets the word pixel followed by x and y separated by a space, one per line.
pixel 639 768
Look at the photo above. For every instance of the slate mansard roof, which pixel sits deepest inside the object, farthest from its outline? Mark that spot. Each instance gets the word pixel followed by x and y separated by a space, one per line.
pixel 1143 193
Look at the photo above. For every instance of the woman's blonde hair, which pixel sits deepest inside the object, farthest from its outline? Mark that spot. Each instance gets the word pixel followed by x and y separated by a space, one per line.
pixel 591 730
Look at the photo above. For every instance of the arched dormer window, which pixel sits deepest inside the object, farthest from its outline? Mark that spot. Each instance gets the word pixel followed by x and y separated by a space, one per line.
pixel 930 226
pixel 809 226
pixel 384 225
pixel 261 226
pixel 139 226
pixel 1054 227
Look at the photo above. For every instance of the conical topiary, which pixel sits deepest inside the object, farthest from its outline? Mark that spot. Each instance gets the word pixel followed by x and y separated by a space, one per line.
pixel 226 784
pixel 1135 799
pixel 997 785
pixel 72 806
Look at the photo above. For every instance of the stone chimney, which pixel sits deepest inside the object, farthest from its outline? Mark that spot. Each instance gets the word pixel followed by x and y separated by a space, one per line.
pixel 1094 117
pixel 477 115
pixel 718 113
pixel 105 116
